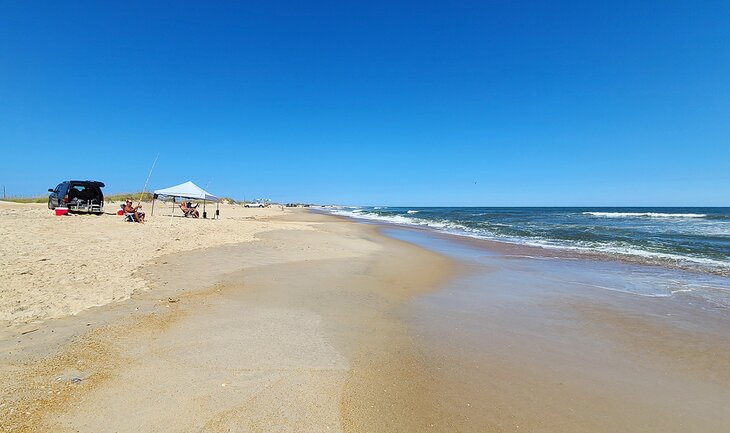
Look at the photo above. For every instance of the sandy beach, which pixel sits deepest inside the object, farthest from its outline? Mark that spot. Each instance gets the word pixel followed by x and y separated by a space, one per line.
pixel 57 266
pixel 259 335
pixel 295 321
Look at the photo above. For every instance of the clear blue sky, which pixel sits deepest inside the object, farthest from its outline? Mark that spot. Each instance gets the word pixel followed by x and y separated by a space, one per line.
pixel 412 103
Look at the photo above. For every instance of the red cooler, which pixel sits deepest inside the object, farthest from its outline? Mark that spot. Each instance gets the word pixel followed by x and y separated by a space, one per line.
pixel 61 211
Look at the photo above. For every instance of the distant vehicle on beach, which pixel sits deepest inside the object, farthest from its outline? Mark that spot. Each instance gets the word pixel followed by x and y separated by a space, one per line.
pixel 78 196
pixel 254 205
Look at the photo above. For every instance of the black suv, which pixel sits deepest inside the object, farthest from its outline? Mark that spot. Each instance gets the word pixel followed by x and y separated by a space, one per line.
pixel 78 196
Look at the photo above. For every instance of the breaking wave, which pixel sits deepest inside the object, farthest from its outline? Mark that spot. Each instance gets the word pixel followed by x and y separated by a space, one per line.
pixel 644 214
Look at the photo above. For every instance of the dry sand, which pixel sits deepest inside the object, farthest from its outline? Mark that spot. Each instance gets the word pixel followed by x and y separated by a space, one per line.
pixel 56 266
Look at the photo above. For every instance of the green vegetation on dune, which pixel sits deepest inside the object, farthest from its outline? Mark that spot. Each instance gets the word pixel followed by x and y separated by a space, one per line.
pixel 135 196
pixel 26 199
pixel 147 196
pixel 117 197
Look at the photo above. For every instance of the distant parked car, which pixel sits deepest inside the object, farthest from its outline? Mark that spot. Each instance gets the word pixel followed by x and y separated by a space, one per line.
pixel 253 205
pixel 78 196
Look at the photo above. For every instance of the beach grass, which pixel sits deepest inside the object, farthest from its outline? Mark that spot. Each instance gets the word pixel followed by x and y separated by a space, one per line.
pixel 147 196
pixel 26 199
pixel 121 196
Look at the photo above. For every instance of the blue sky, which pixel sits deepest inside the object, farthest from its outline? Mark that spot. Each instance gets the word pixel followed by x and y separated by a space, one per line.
pixel 410 103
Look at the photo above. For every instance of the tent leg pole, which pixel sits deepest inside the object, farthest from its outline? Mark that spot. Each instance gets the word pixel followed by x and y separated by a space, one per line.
pixel 152 212
pixel 172 212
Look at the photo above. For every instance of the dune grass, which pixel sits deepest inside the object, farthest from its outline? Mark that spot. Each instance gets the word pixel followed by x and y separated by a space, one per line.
pixel 147 196
pixel 26 199
pixel 117 197
pixel 121 196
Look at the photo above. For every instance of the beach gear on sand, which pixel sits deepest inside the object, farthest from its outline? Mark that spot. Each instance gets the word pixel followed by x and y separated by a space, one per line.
pixel 131 217
pixel 187 190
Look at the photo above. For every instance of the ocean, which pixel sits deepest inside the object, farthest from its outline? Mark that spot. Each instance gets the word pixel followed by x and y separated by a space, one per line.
pixel 694 239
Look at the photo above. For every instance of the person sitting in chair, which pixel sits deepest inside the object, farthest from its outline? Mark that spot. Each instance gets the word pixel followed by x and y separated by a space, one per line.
pixel 189 210
pixel 194 209
pixel 134 211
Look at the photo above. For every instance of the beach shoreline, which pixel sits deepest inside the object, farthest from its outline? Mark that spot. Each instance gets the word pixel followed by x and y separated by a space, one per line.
pixel 334 325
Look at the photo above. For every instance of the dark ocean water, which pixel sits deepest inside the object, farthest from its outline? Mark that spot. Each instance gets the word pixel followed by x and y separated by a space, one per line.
pixel 691 238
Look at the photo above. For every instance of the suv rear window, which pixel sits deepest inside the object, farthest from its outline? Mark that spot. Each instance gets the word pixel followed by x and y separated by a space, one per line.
pixel 84 192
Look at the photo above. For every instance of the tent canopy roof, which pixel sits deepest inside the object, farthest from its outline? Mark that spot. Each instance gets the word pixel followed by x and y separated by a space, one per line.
pixel 187 190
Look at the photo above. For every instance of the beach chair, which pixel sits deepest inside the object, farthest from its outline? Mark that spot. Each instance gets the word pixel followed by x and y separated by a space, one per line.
pixel 188 211
pixel 128 216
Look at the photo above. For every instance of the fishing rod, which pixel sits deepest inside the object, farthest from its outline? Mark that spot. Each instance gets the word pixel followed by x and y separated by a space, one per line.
pixel 139 202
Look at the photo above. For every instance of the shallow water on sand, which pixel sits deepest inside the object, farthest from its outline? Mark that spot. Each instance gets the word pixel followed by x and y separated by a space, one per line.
pixel 546 344
pixel 711 291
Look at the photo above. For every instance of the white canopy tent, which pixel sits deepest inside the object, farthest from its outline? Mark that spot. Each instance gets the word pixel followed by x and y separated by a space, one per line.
pixel 186 190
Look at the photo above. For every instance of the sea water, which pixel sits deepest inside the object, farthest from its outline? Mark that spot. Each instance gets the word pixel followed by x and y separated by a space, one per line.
pixel 691 238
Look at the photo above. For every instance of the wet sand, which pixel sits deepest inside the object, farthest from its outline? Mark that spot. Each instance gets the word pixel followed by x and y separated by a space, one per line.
pixel 508 347
pixel 340 328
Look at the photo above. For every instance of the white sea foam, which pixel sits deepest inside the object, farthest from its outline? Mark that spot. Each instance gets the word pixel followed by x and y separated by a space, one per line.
pixel 402 219
pixel 412 211
pixel 682 291
pixel 628 251
pixel 360 213
pixel 644 214
pixel 627 290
